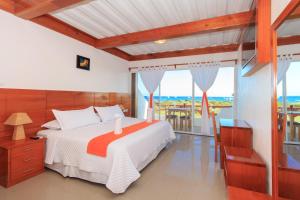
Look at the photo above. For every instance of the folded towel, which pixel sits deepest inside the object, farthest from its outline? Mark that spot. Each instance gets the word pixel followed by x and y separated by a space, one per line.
pixel 118 124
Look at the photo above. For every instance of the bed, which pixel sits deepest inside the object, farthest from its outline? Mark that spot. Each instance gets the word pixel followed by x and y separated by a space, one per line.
pixel 66 152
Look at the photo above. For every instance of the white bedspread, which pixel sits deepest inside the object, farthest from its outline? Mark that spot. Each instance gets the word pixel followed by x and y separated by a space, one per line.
pixel 125 156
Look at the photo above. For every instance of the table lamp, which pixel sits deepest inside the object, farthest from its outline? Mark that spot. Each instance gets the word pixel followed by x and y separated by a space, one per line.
pixel 18 120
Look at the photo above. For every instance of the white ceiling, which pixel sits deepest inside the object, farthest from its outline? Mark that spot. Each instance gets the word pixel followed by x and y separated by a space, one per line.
pixel 289 28
pixel 106 18
pixel 188 42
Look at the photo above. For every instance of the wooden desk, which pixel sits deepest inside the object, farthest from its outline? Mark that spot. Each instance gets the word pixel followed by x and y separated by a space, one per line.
pixel 235 193
pixel 236 133
pixel 244 168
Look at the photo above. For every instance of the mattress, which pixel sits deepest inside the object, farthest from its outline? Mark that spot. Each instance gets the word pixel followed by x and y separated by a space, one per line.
pixel 66 152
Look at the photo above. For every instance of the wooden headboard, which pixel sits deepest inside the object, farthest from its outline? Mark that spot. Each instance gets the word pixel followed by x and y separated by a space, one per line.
pixel 39 103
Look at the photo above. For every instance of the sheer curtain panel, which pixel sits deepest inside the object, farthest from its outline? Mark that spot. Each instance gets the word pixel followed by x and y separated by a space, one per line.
pixel 204 76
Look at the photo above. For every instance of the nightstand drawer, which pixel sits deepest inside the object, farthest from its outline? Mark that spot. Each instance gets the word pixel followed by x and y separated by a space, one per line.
pixel 28 150
pixel 3 163
pixel 26 170
pixel 20 160
pixel 26 161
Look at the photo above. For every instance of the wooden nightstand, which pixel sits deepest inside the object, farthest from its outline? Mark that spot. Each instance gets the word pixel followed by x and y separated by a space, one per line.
pixel 20 160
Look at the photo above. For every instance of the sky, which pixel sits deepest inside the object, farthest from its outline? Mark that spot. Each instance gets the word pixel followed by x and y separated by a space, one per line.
pixel 292 81
pixel 179 83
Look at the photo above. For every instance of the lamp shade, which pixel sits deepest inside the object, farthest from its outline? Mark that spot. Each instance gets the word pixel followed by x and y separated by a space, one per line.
pixel 17 119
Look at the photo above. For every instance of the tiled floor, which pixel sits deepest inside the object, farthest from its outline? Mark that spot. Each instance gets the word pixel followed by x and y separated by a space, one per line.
pixel 293 150
pixel 184 171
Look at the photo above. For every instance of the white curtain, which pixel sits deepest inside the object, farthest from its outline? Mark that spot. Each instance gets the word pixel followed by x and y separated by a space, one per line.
pixel 204 76
pixel 151 80
pixel 142 105
pixel 283 65
pixel 284 62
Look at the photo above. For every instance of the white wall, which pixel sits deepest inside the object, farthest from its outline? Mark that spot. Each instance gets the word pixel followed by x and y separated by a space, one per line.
pixel 254 100
pixel 254 106
pixel 34 57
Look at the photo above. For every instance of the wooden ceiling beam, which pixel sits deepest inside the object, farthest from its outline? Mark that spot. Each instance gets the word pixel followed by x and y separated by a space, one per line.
pixel 295 14
pixel 221 23
pixel 288 10
pixel 187 52
pixel 68 30
pixel 45 7
pixel 8 5
pixel 295 39
pixel 59 26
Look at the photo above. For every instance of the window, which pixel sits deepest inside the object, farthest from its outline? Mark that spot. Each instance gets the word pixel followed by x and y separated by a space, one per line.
pixel 174 98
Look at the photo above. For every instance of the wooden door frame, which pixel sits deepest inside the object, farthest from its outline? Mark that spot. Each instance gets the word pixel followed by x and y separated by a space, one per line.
pixel 133 95
pixel 293 4
pixel 274 118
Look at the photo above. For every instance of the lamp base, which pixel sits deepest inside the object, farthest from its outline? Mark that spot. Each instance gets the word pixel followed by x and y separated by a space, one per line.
pixel 19 133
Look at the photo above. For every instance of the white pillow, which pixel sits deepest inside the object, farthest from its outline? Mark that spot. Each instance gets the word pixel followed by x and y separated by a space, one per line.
pixel 108 113
pixel 76 118
pixel 52 125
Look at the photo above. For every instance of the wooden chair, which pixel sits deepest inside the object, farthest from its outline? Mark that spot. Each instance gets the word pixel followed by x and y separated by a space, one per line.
pixel 297 126
pixel 217 137
pixel 282 120
pixel 185 122
pixel 172 118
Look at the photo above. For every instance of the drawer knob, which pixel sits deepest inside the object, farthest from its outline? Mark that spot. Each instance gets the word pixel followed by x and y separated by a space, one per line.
pixel 28 149
pixel 28 171
pixel 27 159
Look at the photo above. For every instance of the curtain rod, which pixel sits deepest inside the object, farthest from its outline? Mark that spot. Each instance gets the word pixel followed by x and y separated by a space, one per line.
pixel 180 64
pixel 222 61
pixel 292 54
pixel 203 62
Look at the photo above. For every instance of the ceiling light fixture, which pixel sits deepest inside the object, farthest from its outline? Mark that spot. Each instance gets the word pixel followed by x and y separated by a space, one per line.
pixel 160 41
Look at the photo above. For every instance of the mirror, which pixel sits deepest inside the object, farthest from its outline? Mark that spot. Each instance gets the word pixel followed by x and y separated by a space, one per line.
pixel 288 109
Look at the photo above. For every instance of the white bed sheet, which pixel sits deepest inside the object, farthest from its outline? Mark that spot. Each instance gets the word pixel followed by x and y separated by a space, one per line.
pixel 125 156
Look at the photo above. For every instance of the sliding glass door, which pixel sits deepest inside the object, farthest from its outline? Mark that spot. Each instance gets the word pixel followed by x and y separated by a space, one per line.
pixel 289 102
pixel 178 99
pixel 220 97
pixel 142 100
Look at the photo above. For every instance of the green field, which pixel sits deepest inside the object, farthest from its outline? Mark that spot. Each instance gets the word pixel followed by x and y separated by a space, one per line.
pixel 215 105
pixel 295 106
pixel 164 105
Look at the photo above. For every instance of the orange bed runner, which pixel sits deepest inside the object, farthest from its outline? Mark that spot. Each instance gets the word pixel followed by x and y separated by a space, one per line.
pixel 98 145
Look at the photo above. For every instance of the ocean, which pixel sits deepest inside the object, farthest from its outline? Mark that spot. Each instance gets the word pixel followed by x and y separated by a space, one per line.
pixel 189 98
pixel 290 99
